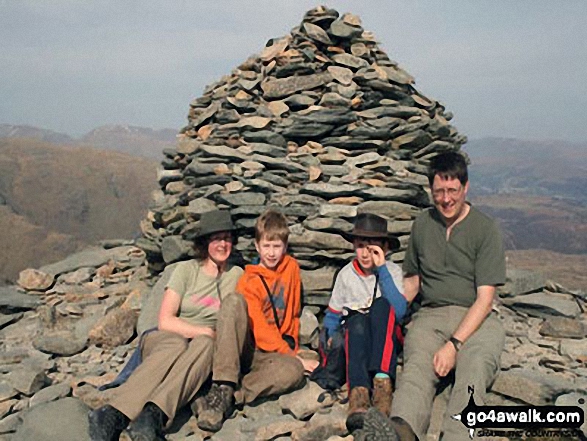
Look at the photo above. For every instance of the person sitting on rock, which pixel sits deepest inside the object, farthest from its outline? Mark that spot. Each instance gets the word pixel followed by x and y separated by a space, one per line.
pixel 177 356
pixel 258 338
pixel 367 299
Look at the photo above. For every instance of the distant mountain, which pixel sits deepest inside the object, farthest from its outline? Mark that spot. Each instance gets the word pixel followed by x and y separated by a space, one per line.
pixel 54 199
pixel 14 131
pixel 536 189
pixel 133 140
pixel 532 167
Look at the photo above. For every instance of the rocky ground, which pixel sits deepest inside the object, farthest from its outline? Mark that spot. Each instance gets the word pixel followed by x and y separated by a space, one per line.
pixel 69 327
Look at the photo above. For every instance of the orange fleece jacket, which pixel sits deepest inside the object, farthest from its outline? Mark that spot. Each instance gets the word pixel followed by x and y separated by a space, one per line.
pixel 285 285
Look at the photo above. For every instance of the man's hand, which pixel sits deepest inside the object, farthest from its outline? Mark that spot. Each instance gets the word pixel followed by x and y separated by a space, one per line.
pixel 445 359
pixel 377 254
pixel 309 365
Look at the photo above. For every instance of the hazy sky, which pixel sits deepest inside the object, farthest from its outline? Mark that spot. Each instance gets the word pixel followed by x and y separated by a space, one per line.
pixel 505 68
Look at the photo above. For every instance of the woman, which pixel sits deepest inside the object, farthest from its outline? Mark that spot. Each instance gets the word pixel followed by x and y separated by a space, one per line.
pixel 177 357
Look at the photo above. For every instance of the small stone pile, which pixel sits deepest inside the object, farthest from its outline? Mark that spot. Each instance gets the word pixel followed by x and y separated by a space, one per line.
pixel 69 327
pixel 321 125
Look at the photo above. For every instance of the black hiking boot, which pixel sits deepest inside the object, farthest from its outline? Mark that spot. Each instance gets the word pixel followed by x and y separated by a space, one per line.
pixel 148 426
pixel 219 406
pixel 376 427
pixel 106 423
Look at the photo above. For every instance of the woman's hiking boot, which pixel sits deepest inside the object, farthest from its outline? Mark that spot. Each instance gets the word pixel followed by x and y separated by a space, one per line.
pixel 148 426
pixel 382 395
pixel 359 402
pixel 106 423
pixel 219 406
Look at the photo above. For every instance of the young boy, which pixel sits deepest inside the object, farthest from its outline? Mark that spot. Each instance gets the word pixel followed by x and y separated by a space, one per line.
pixel 367 296
pixel 265 348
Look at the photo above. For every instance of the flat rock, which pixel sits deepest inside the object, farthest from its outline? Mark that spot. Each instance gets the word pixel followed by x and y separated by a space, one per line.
pixel 319 240
pixel 35 280
pixel 305 402
pixel 576 349
pixel 330 190
pixel 11 298
pixel 78 276
pixel 520 281
pixel 562 327
pixel 282 87
pixel 51 393
pixel 7 391
pixel 341 74
pixel 271 427
pixel 340 29
pixel 317 33
pixel 545 304
pixel 530 386
pixel 39 424
pixel 323 426
pixel 91 257
pixel 308 327
pixel 243 198
pixel 349 60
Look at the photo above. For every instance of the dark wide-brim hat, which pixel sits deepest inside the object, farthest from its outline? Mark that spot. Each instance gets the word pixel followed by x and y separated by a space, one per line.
pixel 214 222
pixel 371 226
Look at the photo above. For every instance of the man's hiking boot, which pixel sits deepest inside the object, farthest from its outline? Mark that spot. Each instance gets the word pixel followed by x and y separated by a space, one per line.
pixel 219 406
pixel 359 402
pixel 403 429
pixel 382 395
pixel 106 423
pixel 377 427
pixel 148 426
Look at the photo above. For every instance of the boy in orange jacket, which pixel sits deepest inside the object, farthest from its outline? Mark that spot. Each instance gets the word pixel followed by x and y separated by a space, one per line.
pixel 264 347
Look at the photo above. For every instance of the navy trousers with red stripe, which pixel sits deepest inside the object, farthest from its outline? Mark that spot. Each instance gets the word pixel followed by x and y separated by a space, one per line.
pixel 373 341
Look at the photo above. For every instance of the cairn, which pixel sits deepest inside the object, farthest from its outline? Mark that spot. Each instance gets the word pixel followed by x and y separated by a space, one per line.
pixel 321 125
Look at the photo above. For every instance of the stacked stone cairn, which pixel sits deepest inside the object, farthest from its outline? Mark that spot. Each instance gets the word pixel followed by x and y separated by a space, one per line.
pixel 69 327
pixel 321 125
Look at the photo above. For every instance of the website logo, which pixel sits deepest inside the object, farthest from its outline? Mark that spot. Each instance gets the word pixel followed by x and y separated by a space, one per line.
pixel 527 418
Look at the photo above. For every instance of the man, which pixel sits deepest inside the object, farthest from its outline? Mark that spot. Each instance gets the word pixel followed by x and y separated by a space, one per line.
pixel 455 260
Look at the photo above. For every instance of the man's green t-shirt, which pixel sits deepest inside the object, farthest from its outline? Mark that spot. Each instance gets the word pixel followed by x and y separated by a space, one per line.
pixel 201 294
pixel 451 270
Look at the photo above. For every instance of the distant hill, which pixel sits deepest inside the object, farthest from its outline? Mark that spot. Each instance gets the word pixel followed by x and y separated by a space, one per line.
pixel 57 198
pixel 133 140
pixel 536 189
pixel 14 131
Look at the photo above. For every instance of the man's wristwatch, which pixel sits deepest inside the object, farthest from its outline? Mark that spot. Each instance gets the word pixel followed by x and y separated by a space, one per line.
pixel 456 343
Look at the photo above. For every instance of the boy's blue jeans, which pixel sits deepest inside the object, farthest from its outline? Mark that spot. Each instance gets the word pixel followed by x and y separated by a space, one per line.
pixel 373 341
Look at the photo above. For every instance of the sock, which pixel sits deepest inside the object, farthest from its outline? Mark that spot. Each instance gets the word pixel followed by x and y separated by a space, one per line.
pixel 381 375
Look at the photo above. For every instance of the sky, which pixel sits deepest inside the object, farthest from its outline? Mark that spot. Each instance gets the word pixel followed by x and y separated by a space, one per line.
pixel 504 68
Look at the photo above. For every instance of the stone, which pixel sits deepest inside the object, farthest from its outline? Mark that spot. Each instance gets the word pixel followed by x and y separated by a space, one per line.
pixel 349 60
pixel 281 87
pixel 341 74
pixel 6 391
pixel 308 328
pixel 520 281
pixel 306 401
pixel 115 329
pixel 545 304
pixel 174 248
pixel 530 387
pixel 39 423
pixel 271 427
pixel 51 393
pixel 35 280
pixel 78 276
pixel 323 426
pixel 28 379
pixel 12 299
pixel 7 319
pixel 62 344
pixel 317 33
pixel 319 240
pixel 91 257
pixel 341 29
pixel 243 198
pixel 575 349
pixel 563 327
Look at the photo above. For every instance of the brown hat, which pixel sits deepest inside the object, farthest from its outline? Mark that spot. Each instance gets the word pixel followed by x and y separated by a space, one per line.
pixel 371 226
pixel 214 221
